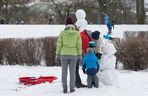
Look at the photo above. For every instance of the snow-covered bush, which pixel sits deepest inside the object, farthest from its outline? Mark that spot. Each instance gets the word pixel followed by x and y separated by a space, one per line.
pixel 133 50
pixel 29 51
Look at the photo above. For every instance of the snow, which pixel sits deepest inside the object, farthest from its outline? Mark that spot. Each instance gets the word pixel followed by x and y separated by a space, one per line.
pixel 108 74
pixel 129 83
pixel 37 31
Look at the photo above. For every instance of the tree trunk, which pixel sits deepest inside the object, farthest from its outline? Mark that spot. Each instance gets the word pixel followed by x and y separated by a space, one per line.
pixel 140 11
pixel 137 10
pixel 102 8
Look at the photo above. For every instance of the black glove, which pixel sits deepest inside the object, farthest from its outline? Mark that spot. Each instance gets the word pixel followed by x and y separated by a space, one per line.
pixel 113 25
pixel 97 69
pixel 98 55
pixel 83 70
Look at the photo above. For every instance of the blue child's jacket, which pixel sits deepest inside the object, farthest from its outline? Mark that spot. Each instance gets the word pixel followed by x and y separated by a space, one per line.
pixel 108 22
pixel 90 61
pixel 106 19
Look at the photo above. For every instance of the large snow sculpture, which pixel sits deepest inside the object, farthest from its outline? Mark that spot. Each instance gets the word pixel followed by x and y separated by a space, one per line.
pixel 107 74
pixel 81 23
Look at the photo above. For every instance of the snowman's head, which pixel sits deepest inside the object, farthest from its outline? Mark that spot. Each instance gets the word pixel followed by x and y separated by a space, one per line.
pixel 108 48
pixel 80 14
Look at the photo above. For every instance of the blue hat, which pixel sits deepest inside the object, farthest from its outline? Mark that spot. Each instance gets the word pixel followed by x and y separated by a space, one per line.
pixel 91 44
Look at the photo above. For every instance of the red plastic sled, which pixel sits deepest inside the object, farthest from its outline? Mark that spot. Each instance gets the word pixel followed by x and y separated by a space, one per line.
pixel 33 80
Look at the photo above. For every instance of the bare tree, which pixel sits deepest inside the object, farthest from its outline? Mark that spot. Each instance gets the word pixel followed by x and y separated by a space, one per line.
pixel 119 10
pixel 63 9
pixel 140 11
pixel 12 9
pixel 102 7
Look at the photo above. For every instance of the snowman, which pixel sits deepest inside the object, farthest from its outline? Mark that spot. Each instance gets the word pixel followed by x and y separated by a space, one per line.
pixel 107 74
pixel 81 22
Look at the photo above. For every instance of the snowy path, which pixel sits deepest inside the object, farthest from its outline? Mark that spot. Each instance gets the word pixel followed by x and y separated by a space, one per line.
pixel 129 83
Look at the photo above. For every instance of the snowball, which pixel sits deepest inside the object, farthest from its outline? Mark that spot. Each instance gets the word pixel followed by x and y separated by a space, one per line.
pixel 81 24
pixel 107 62
pixel 108 49
pixel 80 14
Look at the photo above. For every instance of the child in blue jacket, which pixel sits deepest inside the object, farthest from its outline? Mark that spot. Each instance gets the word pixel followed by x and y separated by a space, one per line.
pixel 90 66
pixel 108 23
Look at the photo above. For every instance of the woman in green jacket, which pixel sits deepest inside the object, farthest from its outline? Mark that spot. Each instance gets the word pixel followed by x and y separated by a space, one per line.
pixel 69 49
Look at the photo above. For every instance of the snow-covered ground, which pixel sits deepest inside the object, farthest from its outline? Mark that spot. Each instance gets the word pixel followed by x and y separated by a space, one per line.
pixel 129 83
pixel 36 31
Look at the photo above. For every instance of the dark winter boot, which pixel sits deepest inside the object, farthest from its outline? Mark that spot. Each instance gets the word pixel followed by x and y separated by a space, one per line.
pixel 65 91
pixel 81 86
pixel 72 90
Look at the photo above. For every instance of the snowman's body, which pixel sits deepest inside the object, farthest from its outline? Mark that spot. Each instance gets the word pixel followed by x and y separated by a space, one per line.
pixel 107 74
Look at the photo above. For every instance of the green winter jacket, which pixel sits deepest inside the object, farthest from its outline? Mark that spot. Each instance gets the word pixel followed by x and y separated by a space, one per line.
pixel 69 42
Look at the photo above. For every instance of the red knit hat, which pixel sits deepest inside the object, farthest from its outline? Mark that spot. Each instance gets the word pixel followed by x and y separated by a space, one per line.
pixel 69 21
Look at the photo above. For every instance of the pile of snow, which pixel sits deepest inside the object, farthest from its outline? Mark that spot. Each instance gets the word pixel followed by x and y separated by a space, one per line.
pixel 108 74
pixel 129 83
